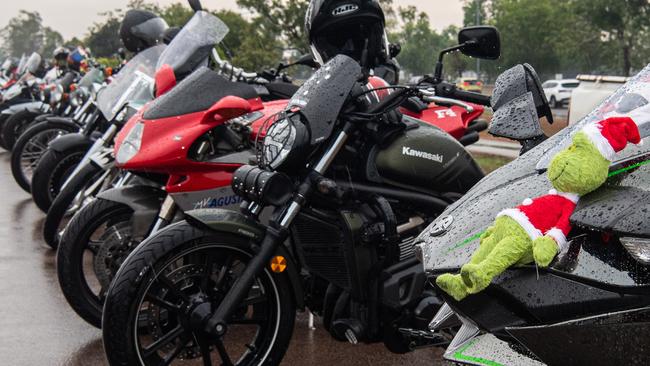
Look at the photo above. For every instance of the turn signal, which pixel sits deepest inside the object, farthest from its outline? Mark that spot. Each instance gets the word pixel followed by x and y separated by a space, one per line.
pixel 278 264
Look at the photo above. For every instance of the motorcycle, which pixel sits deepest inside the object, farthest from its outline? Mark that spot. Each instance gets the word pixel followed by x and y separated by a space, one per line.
pixel 349 188
pixel 32 144
pixel 591 305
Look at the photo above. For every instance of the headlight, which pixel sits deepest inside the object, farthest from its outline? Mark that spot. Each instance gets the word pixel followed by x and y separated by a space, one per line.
pixel 131 144
pixel 284 140
pixel 639 248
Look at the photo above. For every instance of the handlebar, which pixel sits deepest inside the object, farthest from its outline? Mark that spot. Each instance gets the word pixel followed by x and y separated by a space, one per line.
pixel 471 97
pixel 236 73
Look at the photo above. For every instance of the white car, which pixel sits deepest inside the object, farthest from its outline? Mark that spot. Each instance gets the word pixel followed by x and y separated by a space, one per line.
pixel 558 92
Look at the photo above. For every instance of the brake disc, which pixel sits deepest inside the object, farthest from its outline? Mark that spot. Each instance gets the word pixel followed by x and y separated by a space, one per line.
pixel 116 243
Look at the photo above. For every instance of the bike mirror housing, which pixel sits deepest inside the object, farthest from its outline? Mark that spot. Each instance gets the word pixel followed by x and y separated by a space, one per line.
pixel 307 60
pixel 480 42
pixel 227 108
pixel 195 5
pixel 165 80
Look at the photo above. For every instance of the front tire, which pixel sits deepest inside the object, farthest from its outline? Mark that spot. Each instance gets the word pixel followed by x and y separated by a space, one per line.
pixel 31 146
pixel 15 126
pixel 59 208
pixel 52 171
pixel 183 265
pixel 91 250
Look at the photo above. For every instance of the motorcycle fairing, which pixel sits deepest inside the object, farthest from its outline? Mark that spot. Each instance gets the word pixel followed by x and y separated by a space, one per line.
pixel 619 338
pixel 198 92
pixel 487 350
pixel 321 98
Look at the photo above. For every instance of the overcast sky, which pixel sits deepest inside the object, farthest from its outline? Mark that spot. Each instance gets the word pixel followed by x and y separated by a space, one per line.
pixel 73 17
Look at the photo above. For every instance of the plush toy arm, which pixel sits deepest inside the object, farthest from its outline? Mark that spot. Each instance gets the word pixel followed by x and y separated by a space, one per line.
pixel 544 250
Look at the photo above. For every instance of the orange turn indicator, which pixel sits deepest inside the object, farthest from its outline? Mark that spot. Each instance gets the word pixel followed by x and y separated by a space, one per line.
pixel 278 264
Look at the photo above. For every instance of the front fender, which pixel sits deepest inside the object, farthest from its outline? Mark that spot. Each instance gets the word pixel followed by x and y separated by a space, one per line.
pixel 145 201
pixel 71 140
pixel 33 107
pixel 222 220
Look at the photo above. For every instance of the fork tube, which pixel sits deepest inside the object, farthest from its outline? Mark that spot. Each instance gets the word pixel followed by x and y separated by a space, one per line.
pixel 166 214
pixel 216 324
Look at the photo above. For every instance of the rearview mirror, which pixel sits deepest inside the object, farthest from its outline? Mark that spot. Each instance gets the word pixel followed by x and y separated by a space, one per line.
pixel 480 42
pixel 307 60
pixel 195 5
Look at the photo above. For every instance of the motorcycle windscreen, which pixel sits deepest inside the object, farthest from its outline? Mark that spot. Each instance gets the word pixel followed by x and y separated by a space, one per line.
pixel 67 80
pixel 33 63
pixel 94 75
pixel 321 98
pixel 133 84
pixel 632 99
pixel 22 64
pixel 194 43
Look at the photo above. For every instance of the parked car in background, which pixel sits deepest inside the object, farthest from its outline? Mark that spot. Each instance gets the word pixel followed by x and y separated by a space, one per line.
pixel 470 84
pixel 558 92
pixel 592 91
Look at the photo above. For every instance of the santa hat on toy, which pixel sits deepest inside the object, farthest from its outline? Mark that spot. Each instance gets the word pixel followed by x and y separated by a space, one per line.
pixel 612 135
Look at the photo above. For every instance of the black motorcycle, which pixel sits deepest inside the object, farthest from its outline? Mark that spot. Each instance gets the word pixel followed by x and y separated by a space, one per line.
pixel 592 305
pixel 350 185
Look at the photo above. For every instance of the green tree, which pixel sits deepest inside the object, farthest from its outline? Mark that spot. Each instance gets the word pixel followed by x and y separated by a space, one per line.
pixel 283 19
pixel 470 9
pixel 103 38
pixel 25 34
pixel 623 24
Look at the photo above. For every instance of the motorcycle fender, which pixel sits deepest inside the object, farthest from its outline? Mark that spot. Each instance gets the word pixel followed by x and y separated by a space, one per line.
pixel 145 201
pixel 69 141
pixel 33 107
pixel 234 222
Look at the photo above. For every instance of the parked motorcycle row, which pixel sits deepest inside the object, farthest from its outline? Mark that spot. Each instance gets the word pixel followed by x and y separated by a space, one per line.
pixel 195 206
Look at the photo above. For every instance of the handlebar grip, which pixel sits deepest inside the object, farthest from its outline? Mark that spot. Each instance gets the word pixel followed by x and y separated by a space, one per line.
pixel 471 97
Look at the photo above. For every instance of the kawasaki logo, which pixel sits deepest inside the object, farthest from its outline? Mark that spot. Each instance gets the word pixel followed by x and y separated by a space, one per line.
pixel 345 9
pixel 422 154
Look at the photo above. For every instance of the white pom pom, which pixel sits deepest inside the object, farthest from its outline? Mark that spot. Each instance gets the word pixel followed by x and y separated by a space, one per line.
pixel 528 202
pixel 552 191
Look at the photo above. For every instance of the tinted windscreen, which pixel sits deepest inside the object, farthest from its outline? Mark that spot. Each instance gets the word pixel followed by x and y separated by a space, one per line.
pixel 194 42
pixel 92 76
pixel 133 84
pixel 629 100
pixel 321 98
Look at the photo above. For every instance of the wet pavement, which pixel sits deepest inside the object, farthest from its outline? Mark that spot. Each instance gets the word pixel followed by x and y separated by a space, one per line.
pixel 37 327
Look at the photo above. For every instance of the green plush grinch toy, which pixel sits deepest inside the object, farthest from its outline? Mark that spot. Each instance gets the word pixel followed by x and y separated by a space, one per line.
pixel 536 230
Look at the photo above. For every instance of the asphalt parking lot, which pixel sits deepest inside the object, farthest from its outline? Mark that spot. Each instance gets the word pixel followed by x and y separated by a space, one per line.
pixel 37 327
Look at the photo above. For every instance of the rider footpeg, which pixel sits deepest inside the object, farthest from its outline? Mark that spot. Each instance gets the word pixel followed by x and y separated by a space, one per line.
pixel 350 330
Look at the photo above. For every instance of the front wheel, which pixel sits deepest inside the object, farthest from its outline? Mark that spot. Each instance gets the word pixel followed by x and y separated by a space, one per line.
pixel 31 146
pixel 51 173
pixel 15 126
pixel 71 199
pixel 153 307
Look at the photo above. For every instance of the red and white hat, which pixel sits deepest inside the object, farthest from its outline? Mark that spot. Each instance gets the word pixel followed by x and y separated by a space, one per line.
pixel 612 135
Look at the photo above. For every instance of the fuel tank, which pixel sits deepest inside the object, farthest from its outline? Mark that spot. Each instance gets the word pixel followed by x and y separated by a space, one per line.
pixel 425 159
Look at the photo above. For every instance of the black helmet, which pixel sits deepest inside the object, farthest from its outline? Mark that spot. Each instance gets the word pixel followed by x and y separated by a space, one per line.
pixel 141 29
pixel 344 27
pixel 60 54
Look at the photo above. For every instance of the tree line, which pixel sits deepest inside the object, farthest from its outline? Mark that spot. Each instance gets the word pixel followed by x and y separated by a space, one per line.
pixel 555 36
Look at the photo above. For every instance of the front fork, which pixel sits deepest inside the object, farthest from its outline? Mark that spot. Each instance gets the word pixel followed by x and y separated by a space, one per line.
pixel 166 214
pixel 276 233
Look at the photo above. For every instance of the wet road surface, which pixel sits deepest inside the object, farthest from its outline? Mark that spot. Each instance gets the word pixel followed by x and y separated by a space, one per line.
pixel 37 327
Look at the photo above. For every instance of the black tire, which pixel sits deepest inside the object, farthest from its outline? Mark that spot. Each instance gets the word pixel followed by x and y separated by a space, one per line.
pixel 59 208
pixel 15 126
pixel 145 270
pixel 553 102
pixel 34 137
pixel 3 119
pixel 51 172
pixel 75 243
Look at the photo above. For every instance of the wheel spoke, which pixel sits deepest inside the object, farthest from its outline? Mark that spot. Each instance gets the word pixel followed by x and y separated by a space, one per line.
pixel 166 282
pixel 164 340
pixel 179 347
pixel 223 353
pixel 163 303
pixel 205 350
